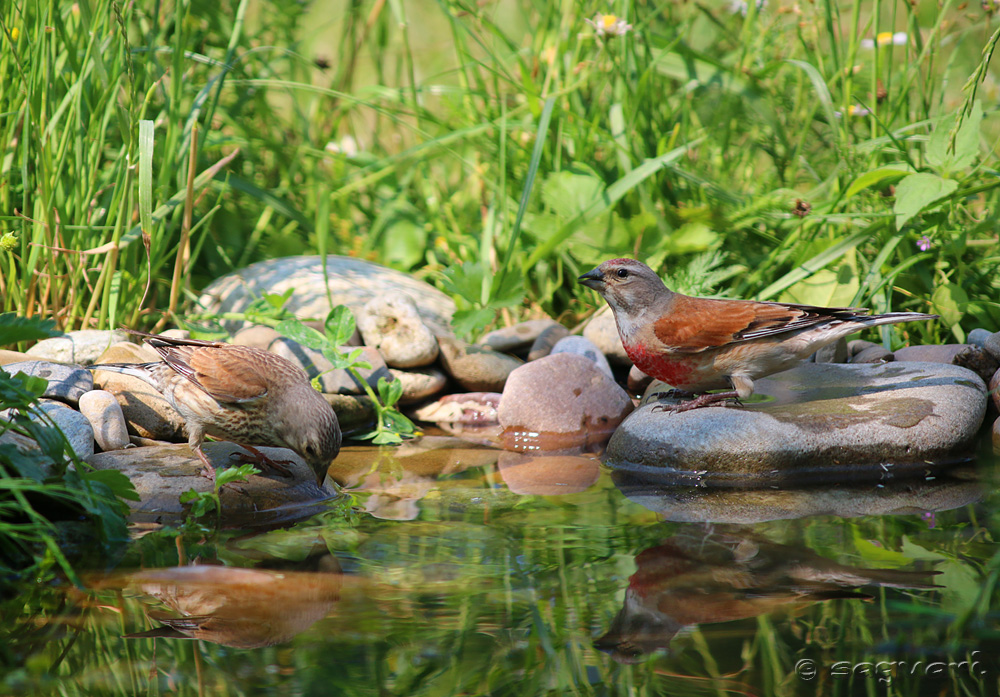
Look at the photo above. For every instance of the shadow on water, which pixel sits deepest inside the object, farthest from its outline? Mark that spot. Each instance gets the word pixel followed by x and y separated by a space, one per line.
pixel 455 568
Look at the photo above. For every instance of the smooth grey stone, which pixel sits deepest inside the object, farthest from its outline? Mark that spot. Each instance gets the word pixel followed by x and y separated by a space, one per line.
pixel 82 347
pixel 66 382
pixel 972 357
pixel 476 368
pixel 582 346
pixel 418 385
pixel 516 337
pixel 106 418
pixel 954 489
pixel 73 424
pixel 978 337
pixel 563 398
pixel 162 473
pixel 832 353
pixel 603 331
pixel 542 345
pixel 992 345
pixel 856 346
pixel 391 323
pixel 873 354
pixel 333 381
pixel 351 282
pixel 826 422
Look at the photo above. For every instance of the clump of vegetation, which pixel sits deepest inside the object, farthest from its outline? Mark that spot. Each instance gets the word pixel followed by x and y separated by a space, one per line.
pixel 819 154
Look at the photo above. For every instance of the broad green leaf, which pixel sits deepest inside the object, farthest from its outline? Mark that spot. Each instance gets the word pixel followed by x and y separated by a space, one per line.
pixel 307 336
pixel 877 176
pixel 120 485
pixel 691 237
pixel 825 288
pixel 340 325
pixel 939 154
pixel 14 328
pixel 464 321
pixel 949 301
pixel 571 194
pixel 917 192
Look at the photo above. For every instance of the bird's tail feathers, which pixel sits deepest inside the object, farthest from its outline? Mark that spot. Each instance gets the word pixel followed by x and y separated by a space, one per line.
pixel 139 370
pixel 893 318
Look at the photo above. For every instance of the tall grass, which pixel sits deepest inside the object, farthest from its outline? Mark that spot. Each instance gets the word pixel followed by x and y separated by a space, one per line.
pixel 499 150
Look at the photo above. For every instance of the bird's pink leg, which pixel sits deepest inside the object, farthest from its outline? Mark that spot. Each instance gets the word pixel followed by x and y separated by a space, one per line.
pixel 208 471
pixel 705 400
pixel 258 458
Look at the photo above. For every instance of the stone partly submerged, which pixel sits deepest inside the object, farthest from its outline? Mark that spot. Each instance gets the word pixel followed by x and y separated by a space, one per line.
pixel 162 473
pixel 351 282
pixel 818 422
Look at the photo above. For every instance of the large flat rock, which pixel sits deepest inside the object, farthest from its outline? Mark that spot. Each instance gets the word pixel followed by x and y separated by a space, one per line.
pixel 820 422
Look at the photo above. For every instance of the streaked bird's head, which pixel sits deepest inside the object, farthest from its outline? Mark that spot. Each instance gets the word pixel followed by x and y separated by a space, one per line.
pixel 310 428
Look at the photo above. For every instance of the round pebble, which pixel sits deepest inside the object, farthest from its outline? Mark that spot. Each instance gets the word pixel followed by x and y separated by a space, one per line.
pixel 82 347
pixel 978 337
pixel 972 357
pixel 582 346
pixel 257 336
pixel 992 345
pixel 603 331
pixel 106 418
pixel 418 385
pixel 517 337
pixel 476 368
pixel 333 381
pixel 391 323
pixel 73 424
pixel 542 346
pixel 66 382
pixel 873 354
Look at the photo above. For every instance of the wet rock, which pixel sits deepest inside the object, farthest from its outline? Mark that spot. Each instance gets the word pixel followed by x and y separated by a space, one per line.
pixel 638 381
pixel 106 418
pixel 992 345
pixel 603 331
pixel 351 282
pixel 333 381
pixel 564 395
pixel 873 354
pixel 458 413
pixel 161 474
pixel 73 424
pixel 972 357
pixel 582 346
pixel 424 457
pixel 8 357
pixel 978 337
pixel 548 475
pixel 475 368
pixel 517 337
pixel 542 346
pixel 146 411
pixel 419 385
pixel 82 347
pixel 826 422
pixel 390 323
pixel 952 488
pixel 66 382
pixel 256 335
pixel 353 411
pixel 832 353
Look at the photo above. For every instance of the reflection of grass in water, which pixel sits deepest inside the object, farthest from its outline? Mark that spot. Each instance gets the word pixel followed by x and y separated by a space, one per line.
pixel 510 601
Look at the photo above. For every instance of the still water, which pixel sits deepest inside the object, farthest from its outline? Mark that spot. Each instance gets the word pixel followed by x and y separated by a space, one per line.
pixel 453 569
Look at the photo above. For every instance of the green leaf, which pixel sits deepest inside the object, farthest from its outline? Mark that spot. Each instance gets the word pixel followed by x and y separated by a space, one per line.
pixel 234 474
pixel 691 237
pixel 949 301
pixel 120 485
pixel 387 438
pixel 825 288
pixel 917 192
pixel 465 321
pixel 307 336
pixel 877 176
pixel 939 153
pixel 389 391
pixel 14 328
pixel 340 325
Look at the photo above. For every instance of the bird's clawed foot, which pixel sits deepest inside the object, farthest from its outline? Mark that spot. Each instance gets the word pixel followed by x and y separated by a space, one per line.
pixel 705 400
pixel 259 459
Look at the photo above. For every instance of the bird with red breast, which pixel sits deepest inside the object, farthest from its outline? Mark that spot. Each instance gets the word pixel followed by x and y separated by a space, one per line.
pixel 241 394
pixel 701 344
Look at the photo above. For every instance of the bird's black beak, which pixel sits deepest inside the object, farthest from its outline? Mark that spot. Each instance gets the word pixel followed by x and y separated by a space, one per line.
pixel 593 279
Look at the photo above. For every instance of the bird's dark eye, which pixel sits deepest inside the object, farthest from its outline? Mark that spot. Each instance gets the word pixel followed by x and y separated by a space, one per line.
pixel 622 273
pixel 310 450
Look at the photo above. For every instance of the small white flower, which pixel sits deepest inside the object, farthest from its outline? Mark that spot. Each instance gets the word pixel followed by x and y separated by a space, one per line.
pixel 347 147
pixel 886 38
pixel 609 25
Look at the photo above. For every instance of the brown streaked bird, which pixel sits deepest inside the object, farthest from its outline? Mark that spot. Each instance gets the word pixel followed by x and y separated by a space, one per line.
pixel 702 344
pixel 241 394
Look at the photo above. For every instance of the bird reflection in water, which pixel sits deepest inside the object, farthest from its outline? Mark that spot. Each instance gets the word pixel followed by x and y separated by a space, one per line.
pixel 705 578
pixel 241 608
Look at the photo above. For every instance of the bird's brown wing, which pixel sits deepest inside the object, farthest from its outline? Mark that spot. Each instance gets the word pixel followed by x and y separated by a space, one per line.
pixel 226 373
pixel 698 324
